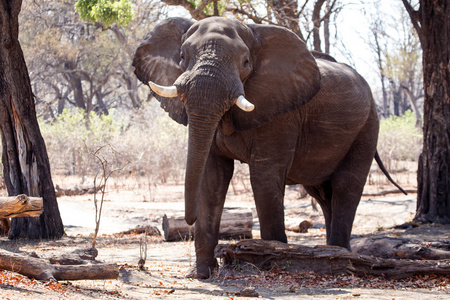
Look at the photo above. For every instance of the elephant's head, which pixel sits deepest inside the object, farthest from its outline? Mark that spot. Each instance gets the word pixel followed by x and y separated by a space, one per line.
pixel 204 67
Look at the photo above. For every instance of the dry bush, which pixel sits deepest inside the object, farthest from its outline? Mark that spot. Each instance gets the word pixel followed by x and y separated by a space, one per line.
pixel 146 143
pixel 154 144
pixel 399 140
pixel 70 137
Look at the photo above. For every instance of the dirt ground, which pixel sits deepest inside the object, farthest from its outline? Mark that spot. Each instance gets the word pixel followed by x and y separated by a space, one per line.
pixel 133 202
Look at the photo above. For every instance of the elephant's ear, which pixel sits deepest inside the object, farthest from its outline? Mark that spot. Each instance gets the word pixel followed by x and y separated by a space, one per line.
pixel 285 77
pixel 157 58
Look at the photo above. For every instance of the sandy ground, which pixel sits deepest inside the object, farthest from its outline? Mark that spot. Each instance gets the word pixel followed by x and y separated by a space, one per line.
pixel 131 204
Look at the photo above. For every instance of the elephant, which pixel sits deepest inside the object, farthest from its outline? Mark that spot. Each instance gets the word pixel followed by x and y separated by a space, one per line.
pixel 256 94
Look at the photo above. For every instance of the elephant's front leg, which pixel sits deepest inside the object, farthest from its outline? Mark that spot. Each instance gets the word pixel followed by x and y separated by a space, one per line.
pixel 268 189
pixel 210 201
pixel 268 173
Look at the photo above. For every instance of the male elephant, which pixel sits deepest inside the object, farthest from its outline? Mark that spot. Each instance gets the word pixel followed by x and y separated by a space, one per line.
pixel 307 120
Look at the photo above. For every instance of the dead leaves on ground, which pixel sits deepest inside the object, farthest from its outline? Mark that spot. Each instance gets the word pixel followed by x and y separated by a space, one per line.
pixel 296 281
pixel 16 280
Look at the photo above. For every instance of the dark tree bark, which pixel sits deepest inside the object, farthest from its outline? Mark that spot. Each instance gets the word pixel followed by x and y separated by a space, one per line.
pixel 25 162
pixel 287 15
pixel 432 23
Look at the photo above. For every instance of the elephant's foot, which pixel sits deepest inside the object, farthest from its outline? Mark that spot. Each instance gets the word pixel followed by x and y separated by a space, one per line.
pixel 202 270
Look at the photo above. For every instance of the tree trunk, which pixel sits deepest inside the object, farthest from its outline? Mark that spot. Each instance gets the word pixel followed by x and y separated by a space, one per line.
pixel 316 23
pixel 76 85
pixel 377 48
pixel 26 167
pixel 326 29
pixel 432 21
pixel 412 101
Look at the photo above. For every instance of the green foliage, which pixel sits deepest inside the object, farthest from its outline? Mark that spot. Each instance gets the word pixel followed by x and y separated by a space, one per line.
pixel 399 138
pixel 106 12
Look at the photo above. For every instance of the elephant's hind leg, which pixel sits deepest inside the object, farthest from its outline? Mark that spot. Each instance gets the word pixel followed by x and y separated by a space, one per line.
pixel 322 194
pixel 347 185
pixel 347 191
pixel 338 202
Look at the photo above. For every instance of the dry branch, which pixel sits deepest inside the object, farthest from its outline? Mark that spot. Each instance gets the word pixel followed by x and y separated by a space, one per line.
pixel 235 224
pixel 41 270
pixel 20 206
pixel 266 255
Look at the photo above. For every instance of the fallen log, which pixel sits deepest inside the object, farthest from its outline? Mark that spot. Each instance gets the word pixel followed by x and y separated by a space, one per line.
pixel 176 229
pixel 332 260
pixel 77 190
pixel 235 224
pixel 402 248
pixel 41 270
pixel 20 206
pixel 149 229
pixel 77 257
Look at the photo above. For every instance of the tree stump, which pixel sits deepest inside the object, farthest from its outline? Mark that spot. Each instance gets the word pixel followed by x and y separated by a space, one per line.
pixel 235 224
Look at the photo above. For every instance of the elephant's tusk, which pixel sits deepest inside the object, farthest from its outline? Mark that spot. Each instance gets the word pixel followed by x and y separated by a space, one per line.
pixel 244 104
pixel 164 91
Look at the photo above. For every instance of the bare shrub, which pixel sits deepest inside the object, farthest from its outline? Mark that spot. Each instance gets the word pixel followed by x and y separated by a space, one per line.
pixel 155 144
pixel 67 135
pixel 151 145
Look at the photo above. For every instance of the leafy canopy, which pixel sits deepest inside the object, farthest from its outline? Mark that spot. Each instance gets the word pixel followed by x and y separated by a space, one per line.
pixel 106 12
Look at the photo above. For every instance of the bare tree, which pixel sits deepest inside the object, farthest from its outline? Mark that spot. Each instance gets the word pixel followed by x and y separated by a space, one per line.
pixel 74 63
pixel 377 30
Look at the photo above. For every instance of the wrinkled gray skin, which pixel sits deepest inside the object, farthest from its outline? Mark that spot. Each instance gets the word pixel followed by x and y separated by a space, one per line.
pixel 314 123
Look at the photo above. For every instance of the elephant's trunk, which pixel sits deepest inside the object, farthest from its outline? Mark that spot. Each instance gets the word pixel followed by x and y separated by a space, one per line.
pixel 201 134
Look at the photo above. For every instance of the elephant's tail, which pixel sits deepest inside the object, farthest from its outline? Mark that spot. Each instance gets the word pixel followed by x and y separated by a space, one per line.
pixel 386 173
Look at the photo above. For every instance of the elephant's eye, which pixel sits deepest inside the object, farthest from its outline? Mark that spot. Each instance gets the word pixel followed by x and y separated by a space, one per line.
pixel 182 57
pixel 245 62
